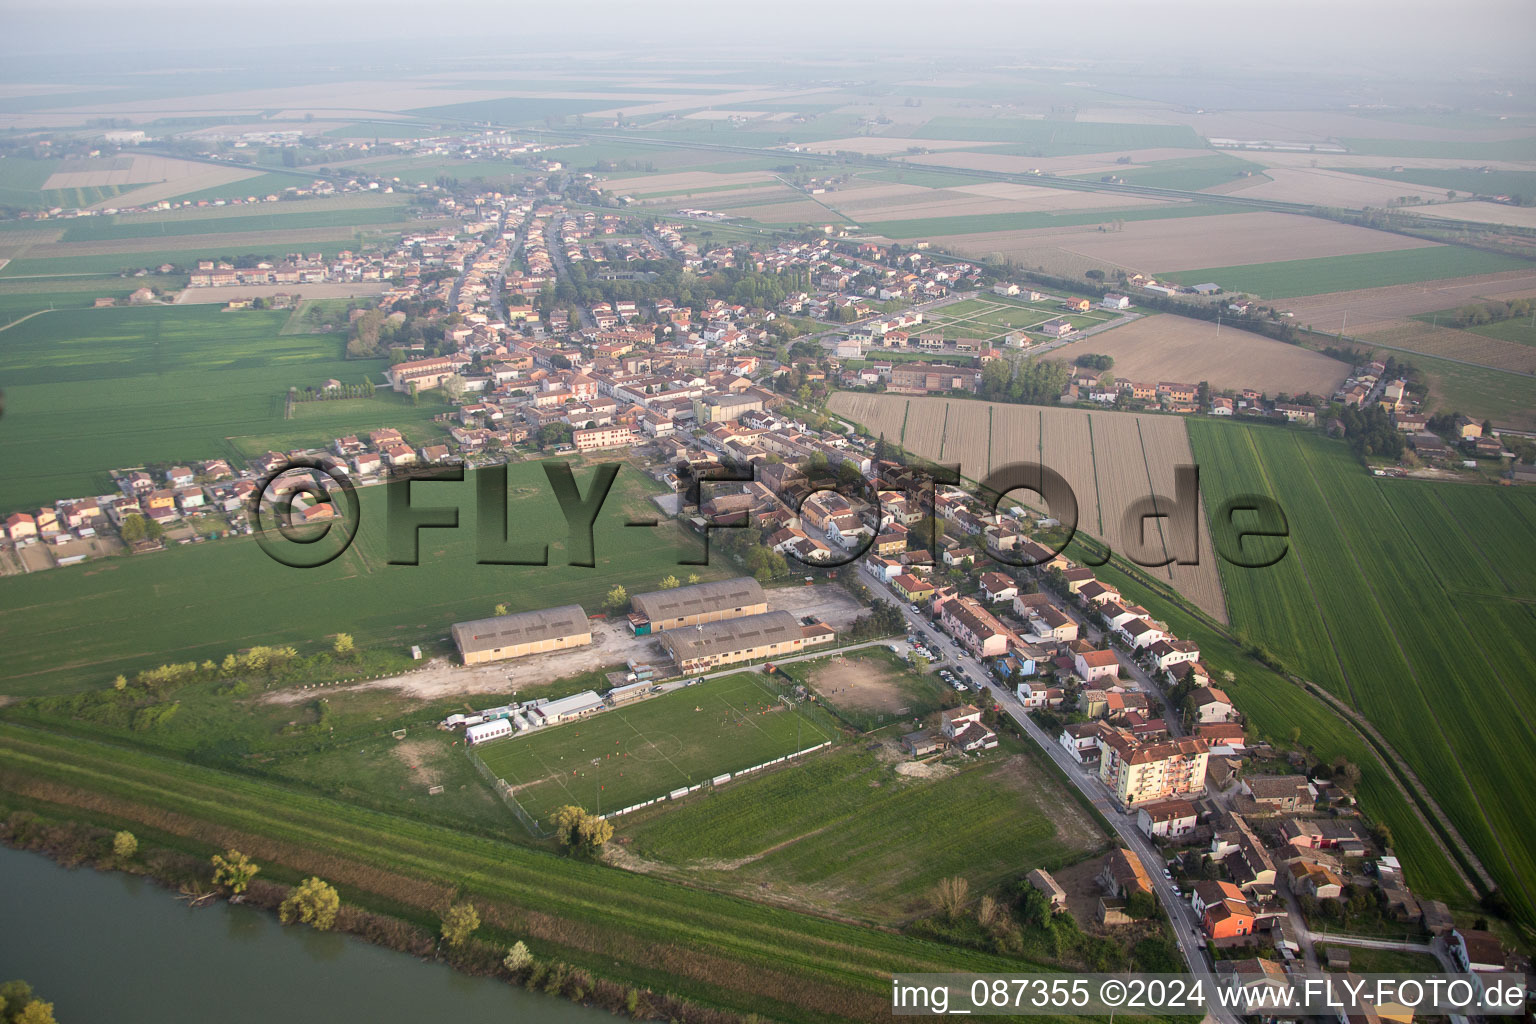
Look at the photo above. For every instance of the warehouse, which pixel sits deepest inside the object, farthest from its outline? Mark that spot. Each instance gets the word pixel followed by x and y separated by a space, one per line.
pixel 689 606
pixel 522 633
pixel 769 635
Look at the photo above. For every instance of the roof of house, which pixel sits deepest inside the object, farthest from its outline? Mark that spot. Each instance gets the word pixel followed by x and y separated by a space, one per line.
pixel 1126 869
pixel 700 597
pixel 520 628
pixel 1168 810
pixel 729 636
pixel 1099 659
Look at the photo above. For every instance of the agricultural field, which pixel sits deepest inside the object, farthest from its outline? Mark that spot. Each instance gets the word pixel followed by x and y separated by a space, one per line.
pixel 868 834
pixel 1304 277
pixel 177 605
pixel 1406 600
pixel 1190 174
pixel 1509 399
pixel 1473 346
pixel 939 228
pixel 166 383
pixel 1366 306
pixel 128 255
pixel 1058 138
pixel 637 930
pixel 271 217
pixel 1465 181
pixel 647 749
pixel 1165 246
pixel 1169 347
pixel 1109 459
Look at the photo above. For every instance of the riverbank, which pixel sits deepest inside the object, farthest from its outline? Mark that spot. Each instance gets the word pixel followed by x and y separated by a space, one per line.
pixel 105 945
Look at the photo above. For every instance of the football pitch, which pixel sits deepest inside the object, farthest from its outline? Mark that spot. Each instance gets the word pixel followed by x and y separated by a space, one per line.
pixel 645 750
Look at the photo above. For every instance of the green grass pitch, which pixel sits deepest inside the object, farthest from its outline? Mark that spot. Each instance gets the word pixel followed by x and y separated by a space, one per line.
pixel 645 750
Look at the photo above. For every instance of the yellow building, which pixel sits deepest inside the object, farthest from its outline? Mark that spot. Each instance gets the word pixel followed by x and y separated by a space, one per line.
pixel 522 633
pixel 734 641
pixel 661 610
pixel 1140 772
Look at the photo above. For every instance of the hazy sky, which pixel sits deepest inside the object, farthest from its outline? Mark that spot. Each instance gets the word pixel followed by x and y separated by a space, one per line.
pixel 1430 36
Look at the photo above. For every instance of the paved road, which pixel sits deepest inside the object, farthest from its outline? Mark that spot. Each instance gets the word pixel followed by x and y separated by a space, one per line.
pixel 1182 919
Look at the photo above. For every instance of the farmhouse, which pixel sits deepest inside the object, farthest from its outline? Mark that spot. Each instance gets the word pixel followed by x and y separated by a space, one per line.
pixel 962 727
pixel 1279 792
pixel 661 610
pixel 1211 705
pixel 734 640
pixel 1123 875
pixel 1042 881
pixel 522 633
pixel 425 374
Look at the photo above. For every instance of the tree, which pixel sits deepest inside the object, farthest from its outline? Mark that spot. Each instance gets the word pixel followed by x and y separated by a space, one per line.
pixel 1346 772
pixel 693 578
pixel 518 957
pixel 120 683
pixel 133 528
pixel 501 609
pixel 951 894
pixel 315 902
pixel 125 845
pixel 234 870
pixel 616 599
pixel 574 827
pixel 344 645
pixel 459 923
pixel 36 1012
pixel 669 583
pixel 453 387
pixel 15 994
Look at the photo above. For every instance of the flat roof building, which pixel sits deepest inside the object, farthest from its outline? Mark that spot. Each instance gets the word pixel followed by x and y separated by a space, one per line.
pixel 703 602
pixel 728 642
pixel 522 633
pixel 566 708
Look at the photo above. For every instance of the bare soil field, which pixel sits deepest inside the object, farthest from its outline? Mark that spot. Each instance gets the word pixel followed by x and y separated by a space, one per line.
pixel 14 244
pixel 1333 188
pixel 1109 459
pixel 754 195
pixel 1169 347
pixel 1453 344
pixel 1051 200
pixel 1232 240
pixel 803 211
pixel 859 684
pixel 685 180
pixel 1184 243
pixel 953 203
pixel 1090 163
pixel 308 205
pixel 208 177
pixel 881 145
pixel 669 103
pixel 337 290
pixel 1373 307
pixel 1482 213
pixel 134 170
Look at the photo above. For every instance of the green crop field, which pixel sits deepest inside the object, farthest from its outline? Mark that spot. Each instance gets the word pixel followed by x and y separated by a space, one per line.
pixel 1410 601
pixel 262 184
pixel 925 178
pixel 89 390
pixel 1499 149
pixel 645 750
pixel 203 600
pixel 275 217
pixel 826 827
pixel 193 248
pixel 21 181
pixel 1287 278
pixel 642 931
pixel 980 222
pixel 1467 182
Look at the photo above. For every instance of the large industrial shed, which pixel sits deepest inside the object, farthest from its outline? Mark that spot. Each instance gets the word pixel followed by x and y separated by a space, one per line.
pixel 513 636
pixel 703 602
pixel 769 635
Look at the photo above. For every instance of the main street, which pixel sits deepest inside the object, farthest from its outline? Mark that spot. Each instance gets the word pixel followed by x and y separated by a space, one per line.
pixel 1182 919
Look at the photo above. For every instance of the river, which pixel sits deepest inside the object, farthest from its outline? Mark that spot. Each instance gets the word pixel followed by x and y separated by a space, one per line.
pixel 108 947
